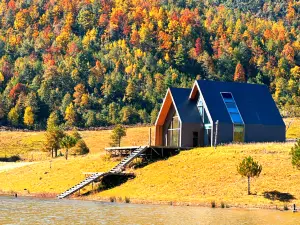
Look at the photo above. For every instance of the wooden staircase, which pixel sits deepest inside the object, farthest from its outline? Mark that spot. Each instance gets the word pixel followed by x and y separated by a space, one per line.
pixel 118 169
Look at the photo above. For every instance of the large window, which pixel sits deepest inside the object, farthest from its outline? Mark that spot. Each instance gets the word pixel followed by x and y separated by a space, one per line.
pixel 236 118
pixel 202 112
pixel 174 132
pixel 232 108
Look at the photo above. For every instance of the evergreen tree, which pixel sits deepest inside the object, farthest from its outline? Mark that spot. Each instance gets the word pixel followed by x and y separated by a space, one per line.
pixel 249 168
pixel 65 103
pixel 117 134
pixel 13 116
pixel 68 142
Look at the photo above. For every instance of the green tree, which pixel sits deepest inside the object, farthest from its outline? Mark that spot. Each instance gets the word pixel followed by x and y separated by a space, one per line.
pixel 90 119
pixel 53 137
pixel 76 135
pixel 81 148
pixel 13 116
pixel 154 115
pixel 118 132
pixel 249 168
pixel 53 120
pixel 86 19
pixel 296 154
pixel 65 103
pixel 68 142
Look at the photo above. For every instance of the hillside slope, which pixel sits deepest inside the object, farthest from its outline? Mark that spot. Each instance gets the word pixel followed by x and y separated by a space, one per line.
pixel 28 145
pixel 203 175
pixel 198 176
pixel 95 63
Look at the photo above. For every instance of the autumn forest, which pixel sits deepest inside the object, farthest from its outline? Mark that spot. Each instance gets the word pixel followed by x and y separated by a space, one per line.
pixel 101 62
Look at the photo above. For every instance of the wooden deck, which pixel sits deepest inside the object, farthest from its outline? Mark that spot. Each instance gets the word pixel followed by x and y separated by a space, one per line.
pixel 152 151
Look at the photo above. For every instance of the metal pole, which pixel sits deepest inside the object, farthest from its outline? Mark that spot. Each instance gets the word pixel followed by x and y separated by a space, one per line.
pixel 216 134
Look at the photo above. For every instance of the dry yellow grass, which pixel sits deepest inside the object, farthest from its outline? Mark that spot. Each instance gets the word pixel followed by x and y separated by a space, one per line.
pixel 198 176
pixel 39 178
pixel 98 140
pixel 203 175
pixel 29 144
pixel 294 129
pixel 26 144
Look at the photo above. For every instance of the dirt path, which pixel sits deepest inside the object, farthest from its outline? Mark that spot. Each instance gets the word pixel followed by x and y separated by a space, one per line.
pixel 5 166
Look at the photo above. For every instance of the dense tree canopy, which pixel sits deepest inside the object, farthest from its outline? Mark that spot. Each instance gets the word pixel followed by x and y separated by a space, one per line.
pixel 101 62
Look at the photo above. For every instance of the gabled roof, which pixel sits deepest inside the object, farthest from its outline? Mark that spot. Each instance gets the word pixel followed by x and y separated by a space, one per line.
pixel 254 102
pixel 186 109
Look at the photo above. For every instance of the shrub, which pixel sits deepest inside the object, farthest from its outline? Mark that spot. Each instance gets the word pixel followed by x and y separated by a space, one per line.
pixel 127 200
pixel 296 155
pixel 213 204
pixel 81 148
pixel 222 205
pixel 285 207
pixel 112 199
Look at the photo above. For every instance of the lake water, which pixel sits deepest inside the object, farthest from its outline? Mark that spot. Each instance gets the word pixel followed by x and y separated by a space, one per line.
pixel 50 211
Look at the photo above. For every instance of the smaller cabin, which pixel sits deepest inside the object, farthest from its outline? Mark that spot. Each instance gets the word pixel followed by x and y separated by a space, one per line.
pixel 220 112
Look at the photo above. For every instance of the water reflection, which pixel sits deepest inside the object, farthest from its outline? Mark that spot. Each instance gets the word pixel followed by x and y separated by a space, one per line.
pixel 44 211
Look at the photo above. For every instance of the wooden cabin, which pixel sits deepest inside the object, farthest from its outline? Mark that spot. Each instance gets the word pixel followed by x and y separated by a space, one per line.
pixel 218 112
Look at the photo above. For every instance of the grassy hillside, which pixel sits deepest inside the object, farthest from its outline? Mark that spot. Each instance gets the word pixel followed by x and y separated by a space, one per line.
pixel 198 176
pixel 29 144
pixel 203 175
pixel 39 178
pixel 293 127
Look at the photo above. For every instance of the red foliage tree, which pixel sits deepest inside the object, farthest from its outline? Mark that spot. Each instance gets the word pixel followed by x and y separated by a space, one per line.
pixel 239 74
pixel 198 46
pixel 17 90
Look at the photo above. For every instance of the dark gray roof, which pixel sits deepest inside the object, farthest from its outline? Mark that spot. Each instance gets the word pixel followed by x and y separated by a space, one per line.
pixel 187 109
pixel 254 102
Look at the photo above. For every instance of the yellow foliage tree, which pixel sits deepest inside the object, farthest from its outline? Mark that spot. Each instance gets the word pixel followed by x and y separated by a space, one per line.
pixel 70 115
pixel 1 77
pixel 28 116
pixel 294 71
pixel 20 21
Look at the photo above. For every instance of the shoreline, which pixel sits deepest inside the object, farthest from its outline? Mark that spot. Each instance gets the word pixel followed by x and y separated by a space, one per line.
pixel 150 202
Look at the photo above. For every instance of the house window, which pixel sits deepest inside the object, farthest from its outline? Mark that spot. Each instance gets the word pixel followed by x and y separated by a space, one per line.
pixel 236 118
pixel 202 112
pixel 238 131
pixel 174 132
pixel 200 107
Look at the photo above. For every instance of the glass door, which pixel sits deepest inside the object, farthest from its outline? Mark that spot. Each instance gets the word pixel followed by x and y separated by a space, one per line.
pixel 173 135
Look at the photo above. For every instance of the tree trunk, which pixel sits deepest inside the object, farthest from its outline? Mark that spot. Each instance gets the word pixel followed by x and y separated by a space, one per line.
pixel 249 186
pixel 67 151
pixel 55 153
